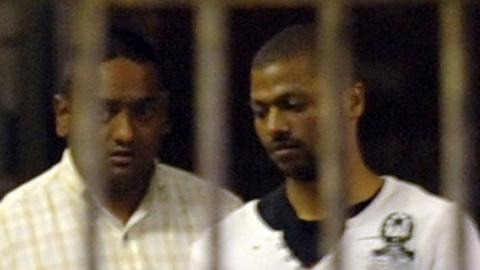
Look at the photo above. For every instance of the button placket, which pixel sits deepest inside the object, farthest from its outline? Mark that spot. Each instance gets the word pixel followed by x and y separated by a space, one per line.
pixel 132 256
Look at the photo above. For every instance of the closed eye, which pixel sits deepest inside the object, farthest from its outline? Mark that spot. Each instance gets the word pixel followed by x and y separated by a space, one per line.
pixel 293 103
pixel 259 110
pixel 108 110
pixel 145 110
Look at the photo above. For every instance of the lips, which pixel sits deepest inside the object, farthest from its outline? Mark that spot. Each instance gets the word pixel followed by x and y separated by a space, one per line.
pixel 284 149
pixel 285 145
pixel 121 158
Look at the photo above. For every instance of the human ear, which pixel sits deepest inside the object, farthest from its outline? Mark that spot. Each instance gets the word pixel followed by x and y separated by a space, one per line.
pixel 61 107
pixel 356 105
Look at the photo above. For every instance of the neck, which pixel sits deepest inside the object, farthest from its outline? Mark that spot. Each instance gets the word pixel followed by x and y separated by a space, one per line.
pixel 305 197
pixel 119 195
pixel 122 203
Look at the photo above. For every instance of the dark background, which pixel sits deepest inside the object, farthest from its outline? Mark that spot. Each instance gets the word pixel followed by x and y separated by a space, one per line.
pixel 399 132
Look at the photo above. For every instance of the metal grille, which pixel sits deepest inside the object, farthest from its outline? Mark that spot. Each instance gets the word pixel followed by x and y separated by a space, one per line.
pixel 212 95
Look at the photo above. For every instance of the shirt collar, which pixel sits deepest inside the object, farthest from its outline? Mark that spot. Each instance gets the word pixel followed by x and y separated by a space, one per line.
pixel 69 173
pixel 71 176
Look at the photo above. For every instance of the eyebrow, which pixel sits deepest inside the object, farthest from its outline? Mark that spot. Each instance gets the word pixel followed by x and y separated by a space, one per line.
pixel 294 91
pixel 150 99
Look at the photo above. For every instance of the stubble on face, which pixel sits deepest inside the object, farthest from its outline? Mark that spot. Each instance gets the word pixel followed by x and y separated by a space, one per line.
pixel 136 118
pixel 283 101
pixel 306 173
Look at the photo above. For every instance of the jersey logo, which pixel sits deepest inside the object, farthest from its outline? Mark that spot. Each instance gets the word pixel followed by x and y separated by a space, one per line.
pixel 396 231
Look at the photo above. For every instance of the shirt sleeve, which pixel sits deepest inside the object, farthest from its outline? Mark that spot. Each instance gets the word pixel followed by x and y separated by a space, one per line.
pixel 472 245
pixel 447 256
pixel 231 203
pixel 199 257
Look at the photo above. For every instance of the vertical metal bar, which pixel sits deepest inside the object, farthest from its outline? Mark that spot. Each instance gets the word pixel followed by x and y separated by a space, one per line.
pixel 211 99
pixel 9 103
pixel 454 84
pixel 334 80
pixel 88 41
pixel 33 57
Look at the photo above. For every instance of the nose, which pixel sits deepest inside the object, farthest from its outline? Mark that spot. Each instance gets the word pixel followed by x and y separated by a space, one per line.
pixel 123 130
pixel 277 123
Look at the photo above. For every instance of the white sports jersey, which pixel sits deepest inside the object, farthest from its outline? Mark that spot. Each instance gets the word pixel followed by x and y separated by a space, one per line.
pixel 403 228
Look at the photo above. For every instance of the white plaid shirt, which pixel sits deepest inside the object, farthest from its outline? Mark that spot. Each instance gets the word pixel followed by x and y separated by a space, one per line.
pixel 43 224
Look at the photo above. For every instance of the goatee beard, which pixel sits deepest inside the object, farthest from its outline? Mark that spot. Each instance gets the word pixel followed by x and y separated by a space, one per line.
pixel 306 173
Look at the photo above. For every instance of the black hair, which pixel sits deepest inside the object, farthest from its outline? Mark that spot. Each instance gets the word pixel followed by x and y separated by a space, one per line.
pixel 292 41
pixel 128 44
pixel 121 43
pixel 301 39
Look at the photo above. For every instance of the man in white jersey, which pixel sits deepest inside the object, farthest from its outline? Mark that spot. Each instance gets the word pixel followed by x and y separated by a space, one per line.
pixel 391 224
pixel 148 213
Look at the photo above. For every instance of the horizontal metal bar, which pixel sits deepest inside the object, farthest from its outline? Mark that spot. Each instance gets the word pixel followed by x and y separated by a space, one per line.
pixel 260 3
pixel 243 3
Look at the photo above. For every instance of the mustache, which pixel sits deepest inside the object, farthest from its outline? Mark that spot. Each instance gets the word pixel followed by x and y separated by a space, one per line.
pixel 277 145
pixel 121 151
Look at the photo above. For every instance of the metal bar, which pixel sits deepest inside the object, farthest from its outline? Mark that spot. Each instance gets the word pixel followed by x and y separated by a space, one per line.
pixel 262 3
pixel 454 84
pixel 191 3
pixel 88 42
pixel 333 75
pixel 9 113
pixel 211 99
pixel 32 59
pixel 9 47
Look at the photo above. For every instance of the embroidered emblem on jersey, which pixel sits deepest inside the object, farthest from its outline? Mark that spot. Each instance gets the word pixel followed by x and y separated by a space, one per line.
pixel 396 231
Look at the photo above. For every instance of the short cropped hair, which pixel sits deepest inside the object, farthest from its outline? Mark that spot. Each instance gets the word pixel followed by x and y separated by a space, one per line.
pixel 121 43
pixel 128 44
pixel 292 41
pixel 301 39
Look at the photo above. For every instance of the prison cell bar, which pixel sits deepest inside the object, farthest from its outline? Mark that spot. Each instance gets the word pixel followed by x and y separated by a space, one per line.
pixel 333 74
pixel 256 3
pixel 263 3
pixel 9 103
pixel 211 99
pixel 453 84
pixel 88 35
pixel 454 131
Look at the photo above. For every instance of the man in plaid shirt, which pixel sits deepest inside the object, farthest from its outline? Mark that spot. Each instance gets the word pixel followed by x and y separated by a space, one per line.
pixel 147 214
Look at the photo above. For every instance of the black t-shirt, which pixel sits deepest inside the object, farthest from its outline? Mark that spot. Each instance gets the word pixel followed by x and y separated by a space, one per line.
pixel 300 236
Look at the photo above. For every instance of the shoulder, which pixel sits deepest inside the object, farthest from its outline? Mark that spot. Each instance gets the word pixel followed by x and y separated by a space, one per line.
pixel 185 184
pixel 437 226
pixel 32 191
pixel 170 174
pixel 56 185
pixel 246 241
pixel 241 226
pixel 413 198
pixel 29 206
pixel 245 217
pixel 432 213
